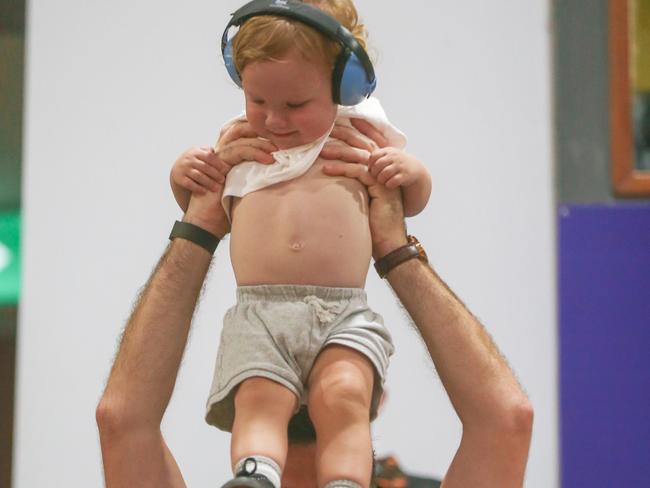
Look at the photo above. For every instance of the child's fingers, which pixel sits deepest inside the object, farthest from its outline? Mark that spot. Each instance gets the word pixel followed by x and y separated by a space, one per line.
pixel 204 180
pixel 192 186
pixel 376 155
pixel 212 160
pixel 387 173
pixel 379 165
pixel 369 130
pixel 215 168
pixel 394 181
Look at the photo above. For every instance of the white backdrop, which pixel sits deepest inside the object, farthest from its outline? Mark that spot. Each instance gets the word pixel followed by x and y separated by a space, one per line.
pixel 116 90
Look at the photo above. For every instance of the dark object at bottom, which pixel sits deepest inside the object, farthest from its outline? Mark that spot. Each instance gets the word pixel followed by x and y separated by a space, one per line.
pixel 248 477
pixel 388 474
pixel 255 481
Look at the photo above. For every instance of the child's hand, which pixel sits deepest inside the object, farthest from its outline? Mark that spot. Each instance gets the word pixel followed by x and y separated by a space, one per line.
pixel 204 168
pixel 198 170
pixel 386 166
pixel 393 167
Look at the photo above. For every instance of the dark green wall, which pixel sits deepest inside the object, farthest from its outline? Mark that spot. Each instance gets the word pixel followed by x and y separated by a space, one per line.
pixel 12 33
pixel 11 118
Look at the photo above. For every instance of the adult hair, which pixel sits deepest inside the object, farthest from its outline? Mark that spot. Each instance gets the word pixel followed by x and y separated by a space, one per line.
pixel 269 37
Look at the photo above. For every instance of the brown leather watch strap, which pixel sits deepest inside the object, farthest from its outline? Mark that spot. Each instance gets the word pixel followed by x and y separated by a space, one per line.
pixel 394 258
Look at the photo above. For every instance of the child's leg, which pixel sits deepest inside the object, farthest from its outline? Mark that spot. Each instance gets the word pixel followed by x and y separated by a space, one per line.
pixel 262 412
pixel 340 393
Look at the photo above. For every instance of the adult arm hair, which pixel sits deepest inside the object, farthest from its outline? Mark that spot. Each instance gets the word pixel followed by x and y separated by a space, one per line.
pixel 495 413
pixel 143 375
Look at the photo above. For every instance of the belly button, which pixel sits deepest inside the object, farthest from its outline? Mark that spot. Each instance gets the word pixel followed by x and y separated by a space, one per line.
pixel 297 246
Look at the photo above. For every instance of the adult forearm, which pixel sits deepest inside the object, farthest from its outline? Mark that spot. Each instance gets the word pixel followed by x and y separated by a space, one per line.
pixel 479 382
pixel 495 413
pixel 144 373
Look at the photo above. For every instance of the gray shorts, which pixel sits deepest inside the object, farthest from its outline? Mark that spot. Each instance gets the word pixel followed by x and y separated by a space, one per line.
pixel 277 331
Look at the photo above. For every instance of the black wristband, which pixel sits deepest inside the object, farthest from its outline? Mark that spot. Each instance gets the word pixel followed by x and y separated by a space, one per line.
pixel 195 234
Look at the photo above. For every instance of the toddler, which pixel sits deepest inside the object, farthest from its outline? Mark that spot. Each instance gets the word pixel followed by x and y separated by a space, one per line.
pixel 301 331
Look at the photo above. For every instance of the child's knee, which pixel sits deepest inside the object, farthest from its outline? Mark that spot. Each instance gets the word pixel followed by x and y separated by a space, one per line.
pixel 341 396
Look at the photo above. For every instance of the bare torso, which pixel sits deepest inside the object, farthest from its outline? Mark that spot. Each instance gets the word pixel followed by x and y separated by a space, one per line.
pixel 312 230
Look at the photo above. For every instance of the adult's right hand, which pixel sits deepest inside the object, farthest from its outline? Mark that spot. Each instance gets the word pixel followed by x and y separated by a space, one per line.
pixel 206 211
pixel 203 168
pixel 348 157
pixel 239 142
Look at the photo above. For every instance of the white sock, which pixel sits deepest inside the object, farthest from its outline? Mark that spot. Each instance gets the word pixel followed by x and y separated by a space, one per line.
pixel 342 484
pixel 265 466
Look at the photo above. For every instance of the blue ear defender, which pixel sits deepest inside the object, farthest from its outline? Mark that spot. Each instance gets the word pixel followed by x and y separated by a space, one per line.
pixel 350 84
pixel 353 77
pixel 230 64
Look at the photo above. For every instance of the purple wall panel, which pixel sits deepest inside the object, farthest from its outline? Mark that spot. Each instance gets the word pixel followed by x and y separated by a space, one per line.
pixel 604 306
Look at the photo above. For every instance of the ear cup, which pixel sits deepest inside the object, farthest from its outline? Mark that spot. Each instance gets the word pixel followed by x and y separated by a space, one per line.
pixel 230 63
pixel 337 74
pixel 351 79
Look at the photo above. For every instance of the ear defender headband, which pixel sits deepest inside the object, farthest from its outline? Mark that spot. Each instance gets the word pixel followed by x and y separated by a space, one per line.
pixel 353 77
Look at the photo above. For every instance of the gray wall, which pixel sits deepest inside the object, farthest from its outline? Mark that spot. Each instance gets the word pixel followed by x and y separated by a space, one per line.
pixel 582 102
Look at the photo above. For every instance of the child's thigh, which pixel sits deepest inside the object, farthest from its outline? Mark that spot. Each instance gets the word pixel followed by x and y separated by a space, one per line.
pixel 341 378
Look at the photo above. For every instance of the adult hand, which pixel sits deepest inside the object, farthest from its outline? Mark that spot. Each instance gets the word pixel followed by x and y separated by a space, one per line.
pixel 203 168
pixel 206 211
pixel 238 142
pixel 354 144
pixel 349 158
pixel 198 170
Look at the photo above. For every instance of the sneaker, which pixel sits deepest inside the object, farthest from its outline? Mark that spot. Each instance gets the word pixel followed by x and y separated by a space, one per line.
pixel 254 481
pixel 249 478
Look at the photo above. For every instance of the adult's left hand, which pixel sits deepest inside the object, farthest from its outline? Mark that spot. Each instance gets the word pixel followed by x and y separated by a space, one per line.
pixel 354 144
pixel 348 156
